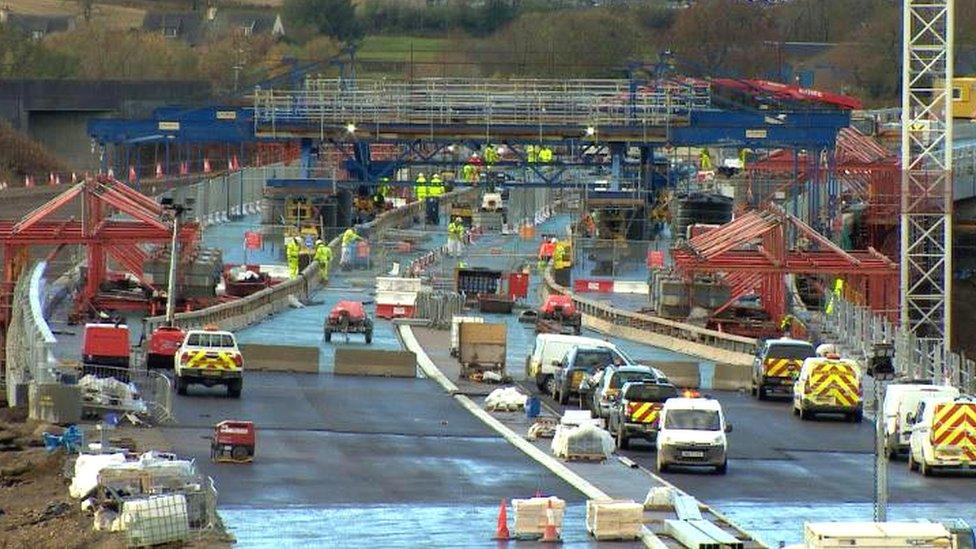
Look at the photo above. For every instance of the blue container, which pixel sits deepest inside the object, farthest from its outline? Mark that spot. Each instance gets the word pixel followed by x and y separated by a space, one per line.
pixel 532 406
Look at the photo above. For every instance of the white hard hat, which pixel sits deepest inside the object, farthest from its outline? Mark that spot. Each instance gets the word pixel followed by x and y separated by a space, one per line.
pixel 319 241
pixel 421 174
pixel 553 240
pixel 825 349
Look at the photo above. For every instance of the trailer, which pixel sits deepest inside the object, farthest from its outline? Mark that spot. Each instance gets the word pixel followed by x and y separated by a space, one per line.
pixel 482 348
pixel 348 317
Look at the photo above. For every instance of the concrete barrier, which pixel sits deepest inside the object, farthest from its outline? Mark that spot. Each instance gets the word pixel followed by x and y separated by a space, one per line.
pixel 683 373
pixel 676 344
pixel 280 358
pixel 369 362
pixel 732 377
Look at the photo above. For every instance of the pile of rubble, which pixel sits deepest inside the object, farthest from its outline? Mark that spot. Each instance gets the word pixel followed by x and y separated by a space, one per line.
pixel 151 498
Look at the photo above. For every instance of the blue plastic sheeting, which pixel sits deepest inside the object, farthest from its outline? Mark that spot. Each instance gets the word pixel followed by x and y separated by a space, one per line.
pixel 389 526
pixel 229 237
pixel 785 524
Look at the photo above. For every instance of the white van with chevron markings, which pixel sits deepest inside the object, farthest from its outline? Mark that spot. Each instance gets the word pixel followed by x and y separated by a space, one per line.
pixel 209 357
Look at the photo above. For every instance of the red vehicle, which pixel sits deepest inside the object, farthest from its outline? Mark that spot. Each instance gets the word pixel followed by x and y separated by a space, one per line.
pixel 558 314
pixel 233 442
pixel 163 344
pixel 349 317
pixel 106 345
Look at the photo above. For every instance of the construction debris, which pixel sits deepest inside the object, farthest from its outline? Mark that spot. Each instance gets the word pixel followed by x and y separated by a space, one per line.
pixel 111 393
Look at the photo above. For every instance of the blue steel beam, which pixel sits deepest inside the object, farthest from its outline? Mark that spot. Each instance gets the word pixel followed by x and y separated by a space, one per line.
pixel 805 129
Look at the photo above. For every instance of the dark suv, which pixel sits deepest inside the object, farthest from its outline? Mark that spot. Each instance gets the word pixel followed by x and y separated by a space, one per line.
pixel 578 364
pixel 636 413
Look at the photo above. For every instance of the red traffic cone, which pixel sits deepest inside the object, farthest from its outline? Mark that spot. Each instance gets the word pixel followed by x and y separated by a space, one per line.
pixel 501 533
pixel 550 535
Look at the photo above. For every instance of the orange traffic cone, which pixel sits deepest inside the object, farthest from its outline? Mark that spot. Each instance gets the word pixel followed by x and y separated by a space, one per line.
pixel 501 533
pixel 550 535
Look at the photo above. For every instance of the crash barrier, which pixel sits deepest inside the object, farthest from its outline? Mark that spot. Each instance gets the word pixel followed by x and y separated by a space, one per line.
pixel 371 362
pixel 439 307
pixel 858 328
pixel 280 358
pixel 681 373
pixel 254 308
pixel 30 343
pixel 711 345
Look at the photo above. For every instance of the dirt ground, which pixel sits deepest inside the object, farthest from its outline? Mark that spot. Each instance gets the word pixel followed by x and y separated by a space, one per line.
pixel 35 508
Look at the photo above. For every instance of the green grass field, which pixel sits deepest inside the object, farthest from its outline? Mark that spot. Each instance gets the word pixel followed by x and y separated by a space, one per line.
pixel 397 48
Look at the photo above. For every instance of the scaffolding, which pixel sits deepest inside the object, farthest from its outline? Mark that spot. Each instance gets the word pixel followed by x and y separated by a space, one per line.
pixel 482 102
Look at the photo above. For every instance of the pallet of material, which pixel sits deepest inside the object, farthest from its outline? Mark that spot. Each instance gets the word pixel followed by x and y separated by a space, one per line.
pixel 584 443
pixel 530 516
pixel 614 519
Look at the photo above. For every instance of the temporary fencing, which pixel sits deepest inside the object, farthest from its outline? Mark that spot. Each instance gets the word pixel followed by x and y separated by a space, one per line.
pixel 439 307
pixel 858 328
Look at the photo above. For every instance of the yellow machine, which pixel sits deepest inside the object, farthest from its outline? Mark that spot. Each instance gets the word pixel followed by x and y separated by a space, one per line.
pixel 297 210
pixel 964 97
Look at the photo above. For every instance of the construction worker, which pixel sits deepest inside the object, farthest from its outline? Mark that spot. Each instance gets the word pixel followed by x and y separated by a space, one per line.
pixel 323 256
pixel 743 155
pixel 455 233
pixel 834 296
pixel 384 189
pixel 469 172
pixel 420 188
pixel 292 248
pixel 436 187
pixel 349 239
pixel 546 249
pixel 786 324
pixel 545 155
pixel 704 160
pixel 491 155
pixel 560 255
pixel 530 154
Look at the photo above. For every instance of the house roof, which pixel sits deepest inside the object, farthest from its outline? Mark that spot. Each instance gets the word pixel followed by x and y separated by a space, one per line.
pixel 259 22
pixel 41 23
pixel 187 26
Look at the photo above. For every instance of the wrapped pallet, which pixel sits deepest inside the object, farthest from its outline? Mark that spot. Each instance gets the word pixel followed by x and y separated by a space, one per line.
pixel 584 442
pixel 614 519
pixel 530 515
pixel 507 399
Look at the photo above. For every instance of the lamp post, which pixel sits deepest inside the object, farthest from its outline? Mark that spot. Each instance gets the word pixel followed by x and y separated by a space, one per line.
pixel 881 368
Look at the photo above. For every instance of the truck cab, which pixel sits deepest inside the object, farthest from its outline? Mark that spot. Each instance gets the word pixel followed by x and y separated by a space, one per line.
pixel 829 385
pixel 209 358
pixel 637 413
pixel 607 391
pixel 943 434
pixel 900 402
pixel 777 365
pixel 692 433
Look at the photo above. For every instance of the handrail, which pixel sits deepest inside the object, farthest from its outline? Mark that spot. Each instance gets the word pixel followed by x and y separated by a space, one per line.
pixel 237 314
pixel 657 325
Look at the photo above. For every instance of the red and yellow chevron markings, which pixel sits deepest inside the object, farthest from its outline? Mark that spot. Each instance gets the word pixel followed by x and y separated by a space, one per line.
pixel 954 425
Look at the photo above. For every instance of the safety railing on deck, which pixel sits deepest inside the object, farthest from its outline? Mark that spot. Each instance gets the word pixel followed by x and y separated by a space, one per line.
pixel 662 326
pixel 480 102
pixel 858 328
pixel 30 343
pixel 243 312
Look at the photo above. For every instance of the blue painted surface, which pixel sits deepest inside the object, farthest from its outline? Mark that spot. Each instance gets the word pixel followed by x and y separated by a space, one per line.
pixel 229 237
pixel 786 523
pixel 388 526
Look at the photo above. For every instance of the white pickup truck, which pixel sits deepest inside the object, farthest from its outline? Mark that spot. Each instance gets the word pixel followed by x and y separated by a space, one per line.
pixel 209 357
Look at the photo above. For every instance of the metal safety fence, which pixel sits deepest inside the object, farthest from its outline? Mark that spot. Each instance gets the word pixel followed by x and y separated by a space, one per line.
pixel 439 307
pixel 482 102
pixel 857 329
pixel 249 310
pixel 30 343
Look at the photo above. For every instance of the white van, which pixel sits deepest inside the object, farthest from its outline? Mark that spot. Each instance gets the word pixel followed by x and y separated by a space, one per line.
pixel 691 431
pixel 901 399
pixel 943 434
pixel 549 351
